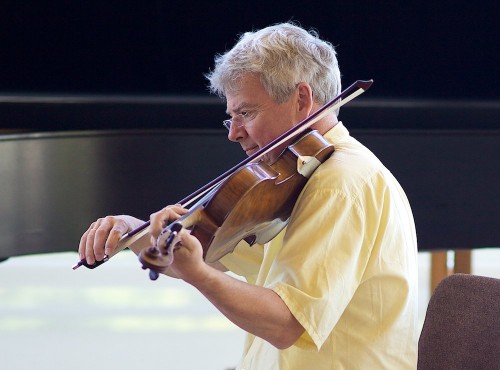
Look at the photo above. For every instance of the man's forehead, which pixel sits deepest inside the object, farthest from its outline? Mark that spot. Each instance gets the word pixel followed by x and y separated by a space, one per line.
pixel 240 101
pixel 246 93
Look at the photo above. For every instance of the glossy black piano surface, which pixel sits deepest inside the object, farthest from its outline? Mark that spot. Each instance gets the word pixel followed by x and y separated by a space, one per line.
pixel 53 185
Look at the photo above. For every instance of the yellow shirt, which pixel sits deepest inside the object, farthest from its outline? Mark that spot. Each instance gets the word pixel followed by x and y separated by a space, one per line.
pixel 346 267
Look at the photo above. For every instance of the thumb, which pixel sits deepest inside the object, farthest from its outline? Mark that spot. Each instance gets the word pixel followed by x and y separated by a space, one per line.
pixel 188 241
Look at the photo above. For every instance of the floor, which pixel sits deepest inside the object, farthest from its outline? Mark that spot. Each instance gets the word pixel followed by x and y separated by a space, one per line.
pixel 114 317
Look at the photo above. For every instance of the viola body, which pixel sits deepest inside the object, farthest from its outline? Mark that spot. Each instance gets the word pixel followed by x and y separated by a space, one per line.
pixel 254 204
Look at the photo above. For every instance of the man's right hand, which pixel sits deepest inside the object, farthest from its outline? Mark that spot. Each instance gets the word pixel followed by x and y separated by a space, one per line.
pixel 101 238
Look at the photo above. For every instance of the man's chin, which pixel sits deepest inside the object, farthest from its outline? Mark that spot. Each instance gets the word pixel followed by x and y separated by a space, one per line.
pixel 251 151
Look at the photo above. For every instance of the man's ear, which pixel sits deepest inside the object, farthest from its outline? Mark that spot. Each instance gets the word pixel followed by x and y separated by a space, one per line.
pixel 304 99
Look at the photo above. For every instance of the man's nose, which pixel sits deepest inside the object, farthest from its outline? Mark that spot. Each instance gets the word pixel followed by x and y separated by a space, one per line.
pixel 236 133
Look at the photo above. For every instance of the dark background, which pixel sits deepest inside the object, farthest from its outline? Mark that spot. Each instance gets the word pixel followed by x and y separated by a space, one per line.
pixel 412 49
pixel 104 79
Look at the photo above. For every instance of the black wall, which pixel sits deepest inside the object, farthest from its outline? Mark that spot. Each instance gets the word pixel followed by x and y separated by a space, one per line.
pixel 78 68
pixel 412 49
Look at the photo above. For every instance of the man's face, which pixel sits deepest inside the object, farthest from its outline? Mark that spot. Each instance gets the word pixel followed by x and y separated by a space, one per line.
pixel 264 119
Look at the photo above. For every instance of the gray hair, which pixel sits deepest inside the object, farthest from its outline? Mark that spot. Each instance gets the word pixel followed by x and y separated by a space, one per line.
pixel 283 55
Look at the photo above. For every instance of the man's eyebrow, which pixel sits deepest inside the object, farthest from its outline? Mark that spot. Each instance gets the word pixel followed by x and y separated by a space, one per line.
pixel 239 108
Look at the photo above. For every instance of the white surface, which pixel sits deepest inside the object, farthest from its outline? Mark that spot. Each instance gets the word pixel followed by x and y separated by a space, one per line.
pixel 114 317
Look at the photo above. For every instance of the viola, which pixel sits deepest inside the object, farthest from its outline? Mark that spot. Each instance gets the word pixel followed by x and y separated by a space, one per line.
pixel 252 201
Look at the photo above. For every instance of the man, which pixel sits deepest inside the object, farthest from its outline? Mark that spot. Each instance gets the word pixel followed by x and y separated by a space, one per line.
pixel 337 289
